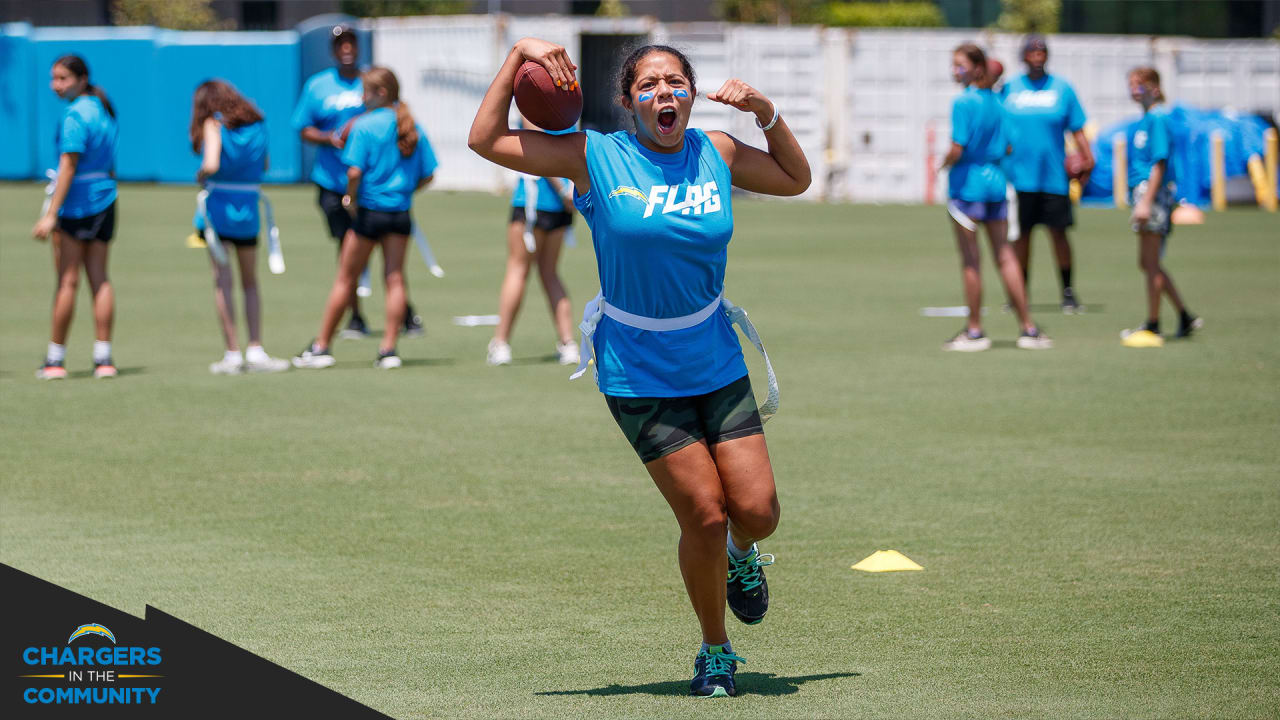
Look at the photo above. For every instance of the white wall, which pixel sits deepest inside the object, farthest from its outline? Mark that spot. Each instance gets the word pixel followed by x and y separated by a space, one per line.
pixel 862 102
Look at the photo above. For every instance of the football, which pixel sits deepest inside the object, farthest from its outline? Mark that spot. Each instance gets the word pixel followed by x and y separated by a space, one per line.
pixel 547 106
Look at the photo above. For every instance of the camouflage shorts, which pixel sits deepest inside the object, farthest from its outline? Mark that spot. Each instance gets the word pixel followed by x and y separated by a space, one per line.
pixel 660 426
pixel 1161 210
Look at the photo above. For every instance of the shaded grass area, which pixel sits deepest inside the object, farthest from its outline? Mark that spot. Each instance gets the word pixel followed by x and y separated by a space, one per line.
pixel 1098 525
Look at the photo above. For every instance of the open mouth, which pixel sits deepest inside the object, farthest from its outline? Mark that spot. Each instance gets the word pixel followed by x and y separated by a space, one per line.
pixel 667 121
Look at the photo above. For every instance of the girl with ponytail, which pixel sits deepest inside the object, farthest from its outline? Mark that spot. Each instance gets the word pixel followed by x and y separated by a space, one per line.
pixel 79 213
pixel 388 158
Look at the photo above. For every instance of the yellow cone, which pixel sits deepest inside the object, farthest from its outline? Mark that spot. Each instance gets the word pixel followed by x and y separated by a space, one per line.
pixel 886 561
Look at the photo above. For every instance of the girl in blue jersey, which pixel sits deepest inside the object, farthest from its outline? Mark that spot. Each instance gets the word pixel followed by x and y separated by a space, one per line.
pixel 229 133
pixel 80 213
pixel 1152 181
pixel 388 159
pixel 976 184
pixel 541 209
pixel 667 359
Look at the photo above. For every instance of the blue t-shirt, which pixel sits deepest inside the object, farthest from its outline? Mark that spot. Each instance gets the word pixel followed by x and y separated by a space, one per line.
pixel 978 124
pixel 328 101
pixel 389 178
pixel 88 129
pixel 1150 141
pixel 661 225
pixel 234 213
pixel 1040 112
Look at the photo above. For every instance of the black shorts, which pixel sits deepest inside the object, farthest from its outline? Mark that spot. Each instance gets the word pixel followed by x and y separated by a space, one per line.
pixel 239 241
pixel 1038 208
pixel 337 217
pixel 100 227
pixel 660 426
pixel 547 220
pixel 373 224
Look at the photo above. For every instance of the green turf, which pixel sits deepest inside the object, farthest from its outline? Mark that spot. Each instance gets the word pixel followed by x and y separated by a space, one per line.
pixel 1098 526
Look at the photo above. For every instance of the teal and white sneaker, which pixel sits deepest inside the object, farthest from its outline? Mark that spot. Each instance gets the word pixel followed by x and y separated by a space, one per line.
pixel 746 592
pixel 714 669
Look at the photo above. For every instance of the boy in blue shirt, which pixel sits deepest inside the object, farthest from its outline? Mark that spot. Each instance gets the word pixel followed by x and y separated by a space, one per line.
pixel 1042 107
pixel 1152 179
pixel 330 100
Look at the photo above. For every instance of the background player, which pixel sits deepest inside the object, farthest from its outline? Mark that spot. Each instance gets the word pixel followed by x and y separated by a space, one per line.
pixel 1152 181
pixel 976 185
pixel 550 206
pixel 229 133
pixel 80 213
pixel 330 100
pixel 1042 107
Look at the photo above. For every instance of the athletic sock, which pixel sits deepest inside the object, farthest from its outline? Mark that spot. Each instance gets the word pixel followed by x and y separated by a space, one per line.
pixel 1152 325
pixel 725 645
pixel 233 356
pixel 1066 278
pixel 55 353
pixel 101 351
pixel 255 354
pixel 734 550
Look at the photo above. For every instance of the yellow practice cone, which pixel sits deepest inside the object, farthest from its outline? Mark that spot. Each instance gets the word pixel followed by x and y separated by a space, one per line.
pixel 886 561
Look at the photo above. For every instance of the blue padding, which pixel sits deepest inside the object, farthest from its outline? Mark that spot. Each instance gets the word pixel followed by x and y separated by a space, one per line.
pixel 17 115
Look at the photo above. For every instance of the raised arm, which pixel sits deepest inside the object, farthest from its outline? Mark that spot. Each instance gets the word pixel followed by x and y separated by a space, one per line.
pixel 783 170
pixel 529 151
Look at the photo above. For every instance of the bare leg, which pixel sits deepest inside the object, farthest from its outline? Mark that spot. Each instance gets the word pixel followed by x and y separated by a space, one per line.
pixel 1061 251
pixel 393 251
pixel 688 480
pixel 1010 271
pixel 355 255
pixel 353 300
pixel 548 255
pixel 225 304
pixel 511 295
pixel 1022 250
pixel 750 496
pixel 1158 280
pixel 69 254
pixel 104 295
pixel 247 259
pixel 971 272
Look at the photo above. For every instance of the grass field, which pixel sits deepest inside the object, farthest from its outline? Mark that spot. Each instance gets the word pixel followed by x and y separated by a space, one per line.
pixel 1099 527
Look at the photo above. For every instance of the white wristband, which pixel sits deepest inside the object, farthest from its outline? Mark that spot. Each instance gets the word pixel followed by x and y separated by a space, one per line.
pixel 774 121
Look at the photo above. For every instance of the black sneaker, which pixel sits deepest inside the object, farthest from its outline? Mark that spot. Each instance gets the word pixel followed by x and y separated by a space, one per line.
pixel 356 329
pixel 1189 324
pixel 314 358
pixel 713 672
pixel 412 323
pixel 746 591
pixel 1070 305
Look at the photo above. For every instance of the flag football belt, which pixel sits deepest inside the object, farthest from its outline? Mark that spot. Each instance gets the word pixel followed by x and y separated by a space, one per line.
pixel 53 184
pixel 599 307
pixel 275 256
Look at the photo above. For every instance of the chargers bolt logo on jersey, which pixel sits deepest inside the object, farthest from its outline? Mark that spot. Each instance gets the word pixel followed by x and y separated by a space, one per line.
pixel 1140 139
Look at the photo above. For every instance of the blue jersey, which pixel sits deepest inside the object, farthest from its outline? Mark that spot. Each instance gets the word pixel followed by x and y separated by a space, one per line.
pixel 661 225
pixel 1040 112
pixel 389 179
pixel 234 213
pixel 548 200
pixel 1150 141
pixel 328 101
pixel 978 124
pixel 88 129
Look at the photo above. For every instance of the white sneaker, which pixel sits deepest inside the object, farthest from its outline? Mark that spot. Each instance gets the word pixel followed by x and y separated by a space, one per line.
pixel 499 353
pixel 265 364
pixel 226 366
pixel 314 358
pixel 962 342
pixel 1034 340
pixel 568 353
pixel 388 362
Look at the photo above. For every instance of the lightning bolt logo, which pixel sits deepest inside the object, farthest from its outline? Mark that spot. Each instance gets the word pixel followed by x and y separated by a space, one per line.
pixel 92 629
pixel 630 192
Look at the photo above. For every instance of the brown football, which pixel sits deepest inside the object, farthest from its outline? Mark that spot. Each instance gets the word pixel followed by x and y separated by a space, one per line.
pixel 1075 166
pixel 547 106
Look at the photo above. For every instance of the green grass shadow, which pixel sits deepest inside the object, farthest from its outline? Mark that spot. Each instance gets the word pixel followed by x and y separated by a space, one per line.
pixel 749 683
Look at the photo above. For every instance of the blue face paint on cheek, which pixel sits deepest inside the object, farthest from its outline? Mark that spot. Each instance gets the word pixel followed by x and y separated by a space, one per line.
pixel 681 93
pixel 645 97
